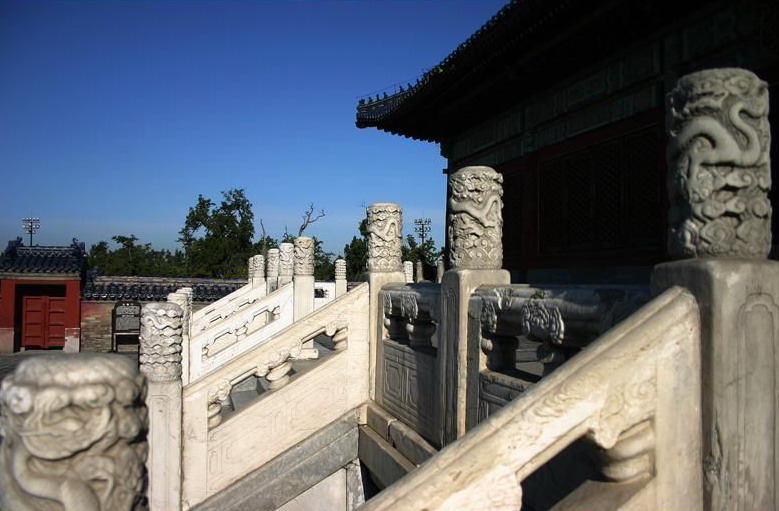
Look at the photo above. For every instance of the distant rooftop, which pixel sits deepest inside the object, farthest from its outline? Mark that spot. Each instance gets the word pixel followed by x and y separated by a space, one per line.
pixel 18 258
pixel 156 289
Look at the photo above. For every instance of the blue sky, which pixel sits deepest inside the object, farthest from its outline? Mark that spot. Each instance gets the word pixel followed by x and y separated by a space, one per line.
pixel 114 116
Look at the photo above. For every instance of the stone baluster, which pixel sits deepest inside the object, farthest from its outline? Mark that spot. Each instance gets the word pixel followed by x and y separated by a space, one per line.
pixel 439 271
pixel 183 298
pixel 385 230
pixel 74 434
pixel 160 361
pixel 286 263
pixel 474 228
pixel 273 270
pixel 303 304
pixel 420 272
pixel 257 272
pixel 340 277
pixel 719 179
pixel 408 271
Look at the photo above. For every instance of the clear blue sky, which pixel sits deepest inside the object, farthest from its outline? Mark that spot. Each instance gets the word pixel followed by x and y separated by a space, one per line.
pixel 114 116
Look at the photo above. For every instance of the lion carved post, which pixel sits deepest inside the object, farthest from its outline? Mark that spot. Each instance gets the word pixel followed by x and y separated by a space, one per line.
pixel 474 236
pixel 720 232
pixel 74 435
pixel 160 360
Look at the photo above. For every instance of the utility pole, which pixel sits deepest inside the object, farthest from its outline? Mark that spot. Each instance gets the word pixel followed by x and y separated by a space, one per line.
pixel 31 226
pixel 422 228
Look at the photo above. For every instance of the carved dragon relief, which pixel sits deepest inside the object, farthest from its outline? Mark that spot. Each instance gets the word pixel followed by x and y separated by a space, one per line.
pixel 475 218
pixel 719 165
pixel 74 434
pixel 304 256
pixel 384 237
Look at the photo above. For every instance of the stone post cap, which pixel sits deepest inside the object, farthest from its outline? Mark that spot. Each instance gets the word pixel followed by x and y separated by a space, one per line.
pixel 340 269
pixel 160 341
pixel 475 225
pixel 385 231
pixel 304 255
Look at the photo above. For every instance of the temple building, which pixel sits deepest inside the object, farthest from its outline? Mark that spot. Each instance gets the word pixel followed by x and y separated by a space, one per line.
pixel 566 99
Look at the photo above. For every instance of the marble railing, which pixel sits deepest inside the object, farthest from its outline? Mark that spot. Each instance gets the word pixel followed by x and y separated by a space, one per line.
pixel 634 392
pixel 295 400
pixel 218 342
pixel 225 307
pixel 411 312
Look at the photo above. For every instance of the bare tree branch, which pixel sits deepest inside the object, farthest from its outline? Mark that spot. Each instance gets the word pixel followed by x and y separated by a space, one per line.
pixel 309 218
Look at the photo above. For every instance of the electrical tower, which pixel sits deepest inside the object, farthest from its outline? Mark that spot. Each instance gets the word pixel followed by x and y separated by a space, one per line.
pixel 31 226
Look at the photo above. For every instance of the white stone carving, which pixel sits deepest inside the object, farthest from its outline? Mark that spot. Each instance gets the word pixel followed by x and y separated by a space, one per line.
pixel 160 341
pixel 475 226
pixel 384 237
pixel 257 267
pixel 286 259
pixel 408 271
pixel 340 269
pixel 74 435
pixel 273 263
pixel 304 256
pixel 541 321
pixel 719 165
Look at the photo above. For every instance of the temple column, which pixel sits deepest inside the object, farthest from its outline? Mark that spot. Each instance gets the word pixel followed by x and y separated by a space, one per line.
pixel 385 230
pixel 720 232
pixel 160 361
pixel 72 423
pixel 474 230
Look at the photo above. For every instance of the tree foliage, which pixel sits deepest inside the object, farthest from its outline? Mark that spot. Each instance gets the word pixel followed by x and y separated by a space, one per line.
pixel 133 259
pixel 356 254
pixel 217 240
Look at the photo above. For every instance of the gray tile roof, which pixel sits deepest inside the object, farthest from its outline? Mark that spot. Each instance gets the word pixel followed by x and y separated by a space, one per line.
pixel 19 258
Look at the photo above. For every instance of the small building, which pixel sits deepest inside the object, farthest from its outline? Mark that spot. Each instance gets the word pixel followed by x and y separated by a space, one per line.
pixel 40 295
pixel 566 99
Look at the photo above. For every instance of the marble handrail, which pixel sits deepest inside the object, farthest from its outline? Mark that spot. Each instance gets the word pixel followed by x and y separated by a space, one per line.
pixel 240 331
pixel 217 453
pixel 635 392
pixel 222 308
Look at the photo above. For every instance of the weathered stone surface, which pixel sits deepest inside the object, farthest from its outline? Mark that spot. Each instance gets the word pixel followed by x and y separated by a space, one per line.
pixel 74 435
pixel 386 464
pixel 719 165
pixel 304 256
pixel 160 339
pixel 293 472
pixel 385 227
pixel 475 225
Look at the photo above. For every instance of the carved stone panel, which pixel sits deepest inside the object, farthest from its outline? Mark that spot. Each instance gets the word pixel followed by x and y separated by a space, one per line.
pixel 286 259
pixel 74 435
pixel 475 226
pixel 304 256
pixel 719 169
pixel 160 353
pixel 384 237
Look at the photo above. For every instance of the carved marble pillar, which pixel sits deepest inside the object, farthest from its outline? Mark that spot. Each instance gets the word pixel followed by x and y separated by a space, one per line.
pixel 408 271
pixel 474 230
pixel 286 263
pixel 273 270
pixel 340 277
pixel 183 298
pixel 719 178
pixel 303 303
pixel 257 272
pixel 74 434
pixel 385 231
pixel 160 361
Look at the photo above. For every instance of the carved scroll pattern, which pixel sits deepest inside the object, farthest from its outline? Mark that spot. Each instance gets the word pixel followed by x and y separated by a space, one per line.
pixel 719 170
pixel 273 263
pixel 475 226
pixel 74 432
pixel 542 321
pixel 257 267
pixel 160 341
pixel 384 237
pixel 286 259
pixel 304 256
pixel 340 269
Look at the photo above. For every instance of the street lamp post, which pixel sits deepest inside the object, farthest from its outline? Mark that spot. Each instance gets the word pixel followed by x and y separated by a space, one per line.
pixel 31 226
pixel 422 228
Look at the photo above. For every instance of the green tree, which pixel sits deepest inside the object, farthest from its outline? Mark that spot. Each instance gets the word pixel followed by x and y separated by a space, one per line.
pixel 356 254
pixel 217 240
pixel 324 265
pixel 131 258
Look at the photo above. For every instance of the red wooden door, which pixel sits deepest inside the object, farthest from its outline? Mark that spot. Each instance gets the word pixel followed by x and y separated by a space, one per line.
pixel 43 322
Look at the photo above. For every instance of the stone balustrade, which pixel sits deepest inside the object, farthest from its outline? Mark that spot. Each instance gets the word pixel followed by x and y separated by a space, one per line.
pixel 646 417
